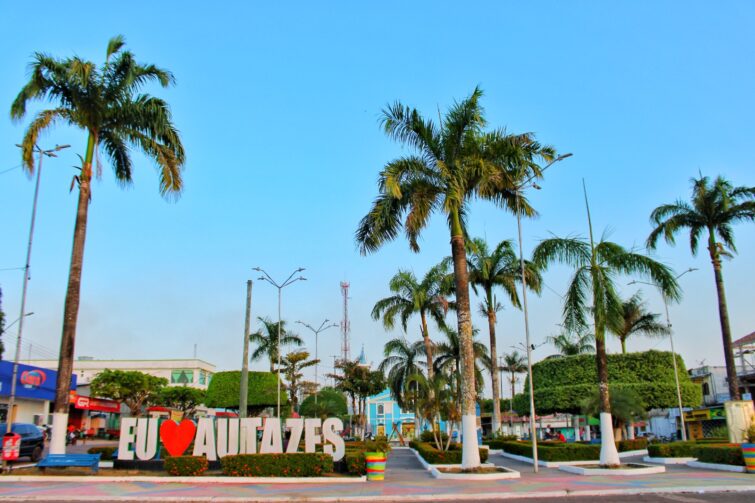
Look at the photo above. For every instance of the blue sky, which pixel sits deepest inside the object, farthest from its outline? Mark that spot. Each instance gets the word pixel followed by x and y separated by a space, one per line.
pixel 278 107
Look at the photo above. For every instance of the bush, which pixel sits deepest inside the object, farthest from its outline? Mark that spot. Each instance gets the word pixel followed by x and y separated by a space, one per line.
pixel 427 436
pixel 497 442
pixel 632 445
pixel 355 463
pixel 672 450
pixel 730 454
pixel 555 451
pixel 186 466
pixel 107 452
pixel 277 465
pixel 713 440
pixel 435 457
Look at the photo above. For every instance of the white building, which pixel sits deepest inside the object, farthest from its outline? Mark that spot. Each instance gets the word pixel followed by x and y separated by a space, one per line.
pixel 189 372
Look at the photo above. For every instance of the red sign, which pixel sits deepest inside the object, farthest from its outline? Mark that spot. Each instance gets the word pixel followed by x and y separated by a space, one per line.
pixel 11 446
pixel 32 378
pixel 97 404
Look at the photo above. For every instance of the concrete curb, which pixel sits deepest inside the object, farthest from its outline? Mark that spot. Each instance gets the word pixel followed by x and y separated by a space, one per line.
pixel 626 472
pixel 94 479
pixel 668 461
pixel 716 466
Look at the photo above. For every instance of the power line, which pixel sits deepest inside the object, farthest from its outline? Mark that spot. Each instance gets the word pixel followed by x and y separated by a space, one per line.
pixel 9 169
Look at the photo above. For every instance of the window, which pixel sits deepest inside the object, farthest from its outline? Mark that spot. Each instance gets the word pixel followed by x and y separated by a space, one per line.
pixel 381 409
pixel 202 377
pixel 182 377
pixel 706 389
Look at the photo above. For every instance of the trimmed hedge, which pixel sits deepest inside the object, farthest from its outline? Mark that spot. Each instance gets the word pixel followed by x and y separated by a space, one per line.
pixel 555 451
pixel 730 454
pixel 107 452
pixel 300 464
pixel 632 445
pixel 355 462
pixel 186 466
pixel 435 457
pixel 223 390
pixel 672 450
pixel 427 436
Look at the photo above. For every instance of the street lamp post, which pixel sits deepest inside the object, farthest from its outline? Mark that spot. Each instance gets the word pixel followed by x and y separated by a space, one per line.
pixel 280 287
pixel 322 328
pixel 518 192
pixel 42 153
pixel 673 351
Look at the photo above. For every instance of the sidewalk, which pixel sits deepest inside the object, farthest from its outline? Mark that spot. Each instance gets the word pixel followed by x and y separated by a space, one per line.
pixel 405 481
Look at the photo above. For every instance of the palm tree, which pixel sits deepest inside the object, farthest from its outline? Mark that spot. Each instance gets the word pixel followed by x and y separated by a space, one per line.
pixel 437 401
pixel 597 265
pixel 105 102
pixel 413 297
pixel 714 210
pixel 291 368
pixel 453 162
pixel 267 340
pixel 448 359
pixel 571 344
pixel 636 320
pixel 514 364
pixel 488 270
pixel 401 362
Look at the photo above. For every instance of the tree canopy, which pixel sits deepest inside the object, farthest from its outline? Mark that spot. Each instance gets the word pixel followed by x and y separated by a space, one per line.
pixel 330 403
pixel 183 398
pixel 223 391
pixel 133 388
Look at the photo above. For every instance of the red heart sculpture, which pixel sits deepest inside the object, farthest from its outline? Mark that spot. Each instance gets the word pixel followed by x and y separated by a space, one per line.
pixel 176 437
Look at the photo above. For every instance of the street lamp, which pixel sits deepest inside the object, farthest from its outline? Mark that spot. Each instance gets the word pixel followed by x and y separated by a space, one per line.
pixel 322 328
pixel 673 352
pixel 518 195
pixel 280 286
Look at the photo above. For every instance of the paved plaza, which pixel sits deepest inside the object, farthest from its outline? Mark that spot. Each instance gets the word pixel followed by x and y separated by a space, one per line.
pixel 406 480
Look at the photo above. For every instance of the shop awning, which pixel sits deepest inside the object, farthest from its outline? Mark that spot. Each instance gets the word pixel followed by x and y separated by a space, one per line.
pixel 96 404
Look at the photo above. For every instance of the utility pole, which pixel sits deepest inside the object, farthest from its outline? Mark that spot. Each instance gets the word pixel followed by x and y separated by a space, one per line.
pixel 244 385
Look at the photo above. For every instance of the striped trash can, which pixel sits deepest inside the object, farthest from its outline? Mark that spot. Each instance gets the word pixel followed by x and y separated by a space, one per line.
pixel 748 452
pixel 375 465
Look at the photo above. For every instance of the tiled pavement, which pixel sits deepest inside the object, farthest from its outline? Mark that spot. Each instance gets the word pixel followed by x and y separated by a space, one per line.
pixel 405 480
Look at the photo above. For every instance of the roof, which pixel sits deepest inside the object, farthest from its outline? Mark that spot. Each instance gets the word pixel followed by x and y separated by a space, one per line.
pixel 747 339
pixel 362 358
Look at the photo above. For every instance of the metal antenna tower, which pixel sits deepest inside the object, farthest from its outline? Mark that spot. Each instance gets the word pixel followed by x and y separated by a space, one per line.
pixel 345 324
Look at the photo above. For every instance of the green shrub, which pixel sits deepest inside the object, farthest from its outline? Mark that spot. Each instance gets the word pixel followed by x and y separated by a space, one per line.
pixel 435 457
pixel 713 440
pixel 720 454
pixel 355 463
pixel 107 452
pixel 427 436
pixel 555 451
pixel 186 466
pixel 672 450
pixel 632 445
pixel 277 465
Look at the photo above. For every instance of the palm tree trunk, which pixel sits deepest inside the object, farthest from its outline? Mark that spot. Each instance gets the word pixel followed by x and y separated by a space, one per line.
pixel 71 307
pixel 609 456
pixel 495 377
pixel 428 346
pixel 723 314
pixel 623 346
pixel 470 457
pixel 511 403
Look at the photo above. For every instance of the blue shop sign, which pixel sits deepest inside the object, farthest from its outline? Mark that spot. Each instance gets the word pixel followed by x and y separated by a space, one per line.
pixel 32 382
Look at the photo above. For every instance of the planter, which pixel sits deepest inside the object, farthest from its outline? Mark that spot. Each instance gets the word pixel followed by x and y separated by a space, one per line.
pixel 748 453
pixel 628 469
pixel 375 465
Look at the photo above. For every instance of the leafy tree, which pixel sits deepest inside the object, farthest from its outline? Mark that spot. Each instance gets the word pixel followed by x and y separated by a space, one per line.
pixel 183 398
pixel 224 391
pixel 267 340
pixel 425 298
pixel 592 290
pixel 346 381
pixel 437 400
pixel 636 320
pixel 488 270
pixel 514 364
pixel 401 362
pixel 448 359
pixel 368 383
pixel 716 207
pixel 291 368
pixel 452 162
pixel 135 389
pixel 573 343
pixel 105 101
pixel 330 403
pixel 626 408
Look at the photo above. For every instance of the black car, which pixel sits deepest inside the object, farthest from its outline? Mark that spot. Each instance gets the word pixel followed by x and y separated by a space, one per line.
pixel 32 439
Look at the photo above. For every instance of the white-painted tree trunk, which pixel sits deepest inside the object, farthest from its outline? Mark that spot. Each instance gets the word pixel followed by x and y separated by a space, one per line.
pixel 630 431
pixel 609 455
pixel 59 430
pixel 470 452
pixel 588 432
pixel 577 437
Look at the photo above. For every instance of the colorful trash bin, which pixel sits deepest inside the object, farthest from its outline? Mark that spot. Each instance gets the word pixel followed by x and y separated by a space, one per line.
pixel 375 465
pixel 748 453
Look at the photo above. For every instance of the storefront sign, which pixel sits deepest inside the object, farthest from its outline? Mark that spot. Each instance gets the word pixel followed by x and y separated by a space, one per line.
pixel 96 404
pixel 32 382
pixel 216 438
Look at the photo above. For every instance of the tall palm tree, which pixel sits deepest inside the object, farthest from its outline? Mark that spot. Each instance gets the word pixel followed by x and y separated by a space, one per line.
pixel 715 208
pixel 488 270
pixel 571 344
pixel 401 362
pixel 426 298
pixel 592 290
pixel 514 364
pixel 105 101
pixel 636 320
pixel 267 340
pixel 453 162
pixel 448 359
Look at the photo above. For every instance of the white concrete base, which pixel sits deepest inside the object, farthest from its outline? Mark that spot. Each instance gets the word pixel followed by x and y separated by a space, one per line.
pixel 188 480
pixel 629 454
pixel 545 464
pixel 501 475
pixel 668 461
pixel 59 430
pixel 582 470
pixel 716 466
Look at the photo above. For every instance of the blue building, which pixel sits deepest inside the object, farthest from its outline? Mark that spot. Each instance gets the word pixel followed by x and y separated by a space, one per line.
pixel 385 417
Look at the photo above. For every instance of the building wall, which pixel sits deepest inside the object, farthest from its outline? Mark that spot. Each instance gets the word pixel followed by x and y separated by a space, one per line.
pixel 191 372
pixel 26 410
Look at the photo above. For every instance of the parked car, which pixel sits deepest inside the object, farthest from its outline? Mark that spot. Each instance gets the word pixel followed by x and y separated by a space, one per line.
pixel 32 439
